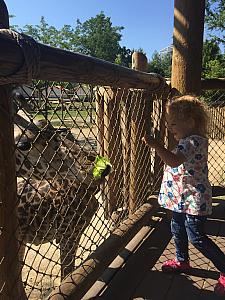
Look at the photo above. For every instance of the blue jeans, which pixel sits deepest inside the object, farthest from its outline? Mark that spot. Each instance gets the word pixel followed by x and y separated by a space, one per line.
pixel 191 228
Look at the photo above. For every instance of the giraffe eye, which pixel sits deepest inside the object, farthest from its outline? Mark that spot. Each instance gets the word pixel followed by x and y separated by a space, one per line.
pixel 23 145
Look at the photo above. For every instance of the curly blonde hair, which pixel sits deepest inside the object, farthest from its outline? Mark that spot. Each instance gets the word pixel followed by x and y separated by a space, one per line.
pixel 189 106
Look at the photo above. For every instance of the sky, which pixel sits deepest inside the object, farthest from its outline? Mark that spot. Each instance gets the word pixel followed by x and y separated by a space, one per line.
pixel 148 24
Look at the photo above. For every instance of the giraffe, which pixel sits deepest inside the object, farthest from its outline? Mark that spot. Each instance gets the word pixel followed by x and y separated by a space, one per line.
pixel 56 196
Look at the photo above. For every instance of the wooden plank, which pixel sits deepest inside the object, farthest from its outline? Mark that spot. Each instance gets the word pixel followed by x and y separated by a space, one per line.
pixel 126 149
pixel 102 282
pixel 216 222
pixel 9 265
pixel 75 285
pixel 125 282
pixel 141 276
pixel 140 155
pixel 213 84
pixel 159 125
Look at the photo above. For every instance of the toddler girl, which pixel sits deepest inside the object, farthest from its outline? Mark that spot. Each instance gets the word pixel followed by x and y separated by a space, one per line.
pixel 185 188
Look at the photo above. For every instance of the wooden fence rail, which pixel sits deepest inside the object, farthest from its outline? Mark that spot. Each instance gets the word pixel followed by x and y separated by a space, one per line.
pixel 16 59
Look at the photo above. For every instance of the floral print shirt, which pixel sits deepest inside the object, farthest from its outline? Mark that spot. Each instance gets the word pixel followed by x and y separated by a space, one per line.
pixel 186 188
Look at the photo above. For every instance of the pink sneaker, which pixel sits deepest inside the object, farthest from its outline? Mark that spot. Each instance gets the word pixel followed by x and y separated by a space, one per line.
pixel 219 288
pixel 174 266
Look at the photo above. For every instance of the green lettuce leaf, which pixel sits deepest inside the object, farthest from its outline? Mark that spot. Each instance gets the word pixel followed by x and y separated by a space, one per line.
pixel 100 165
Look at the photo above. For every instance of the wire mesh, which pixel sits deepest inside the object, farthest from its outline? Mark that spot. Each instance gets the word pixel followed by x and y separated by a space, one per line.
pixel 216 132
pixel 64 213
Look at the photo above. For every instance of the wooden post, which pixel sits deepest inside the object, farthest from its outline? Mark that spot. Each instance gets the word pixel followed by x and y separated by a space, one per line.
pixel 159 121
pixel 187 46
pixel 10 284
pixel 139 61
pixel 126 149
pixel 139 154
pixel 110 143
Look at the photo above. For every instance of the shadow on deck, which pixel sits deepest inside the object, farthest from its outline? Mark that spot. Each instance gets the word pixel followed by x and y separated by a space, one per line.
pixel 140 277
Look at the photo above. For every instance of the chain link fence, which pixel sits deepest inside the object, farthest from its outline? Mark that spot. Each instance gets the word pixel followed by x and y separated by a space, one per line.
pixel 60 128
pixel 216 103
pixel 64 213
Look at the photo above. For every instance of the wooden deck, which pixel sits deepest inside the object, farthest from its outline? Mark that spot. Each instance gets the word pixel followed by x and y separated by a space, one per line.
pixel 140 277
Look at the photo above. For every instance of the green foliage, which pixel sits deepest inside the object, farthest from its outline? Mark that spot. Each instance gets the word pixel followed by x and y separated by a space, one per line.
pixel 49 35
pixel 95 37
pixel 215 19
pixel 124 57
pixel 160 64
pixel 213 62
pixel 98 38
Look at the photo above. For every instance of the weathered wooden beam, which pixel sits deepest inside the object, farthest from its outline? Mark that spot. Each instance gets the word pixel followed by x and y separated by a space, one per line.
pixel 208 83
pixel 61 65
pixel 213 84
pixel 119 263
pixel 78 283
pixel 187 46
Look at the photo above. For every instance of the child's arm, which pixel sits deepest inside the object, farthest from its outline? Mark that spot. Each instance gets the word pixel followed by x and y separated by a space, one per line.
pixel 170 158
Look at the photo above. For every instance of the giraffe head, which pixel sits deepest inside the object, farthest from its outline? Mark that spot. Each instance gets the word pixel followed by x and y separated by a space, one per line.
pixel 42 152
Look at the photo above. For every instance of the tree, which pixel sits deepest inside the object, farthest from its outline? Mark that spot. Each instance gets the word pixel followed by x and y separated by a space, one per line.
pixel 98 38
pixel 44 33
pixel 49 35
pixel 161 64
pixel 95 37
pixel 215 19
pixel 124 57
pixel 213 62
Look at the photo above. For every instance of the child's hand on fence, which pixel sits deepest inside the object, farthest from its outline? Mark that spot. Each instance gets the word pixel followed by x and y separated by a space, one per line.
pixel 149 140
